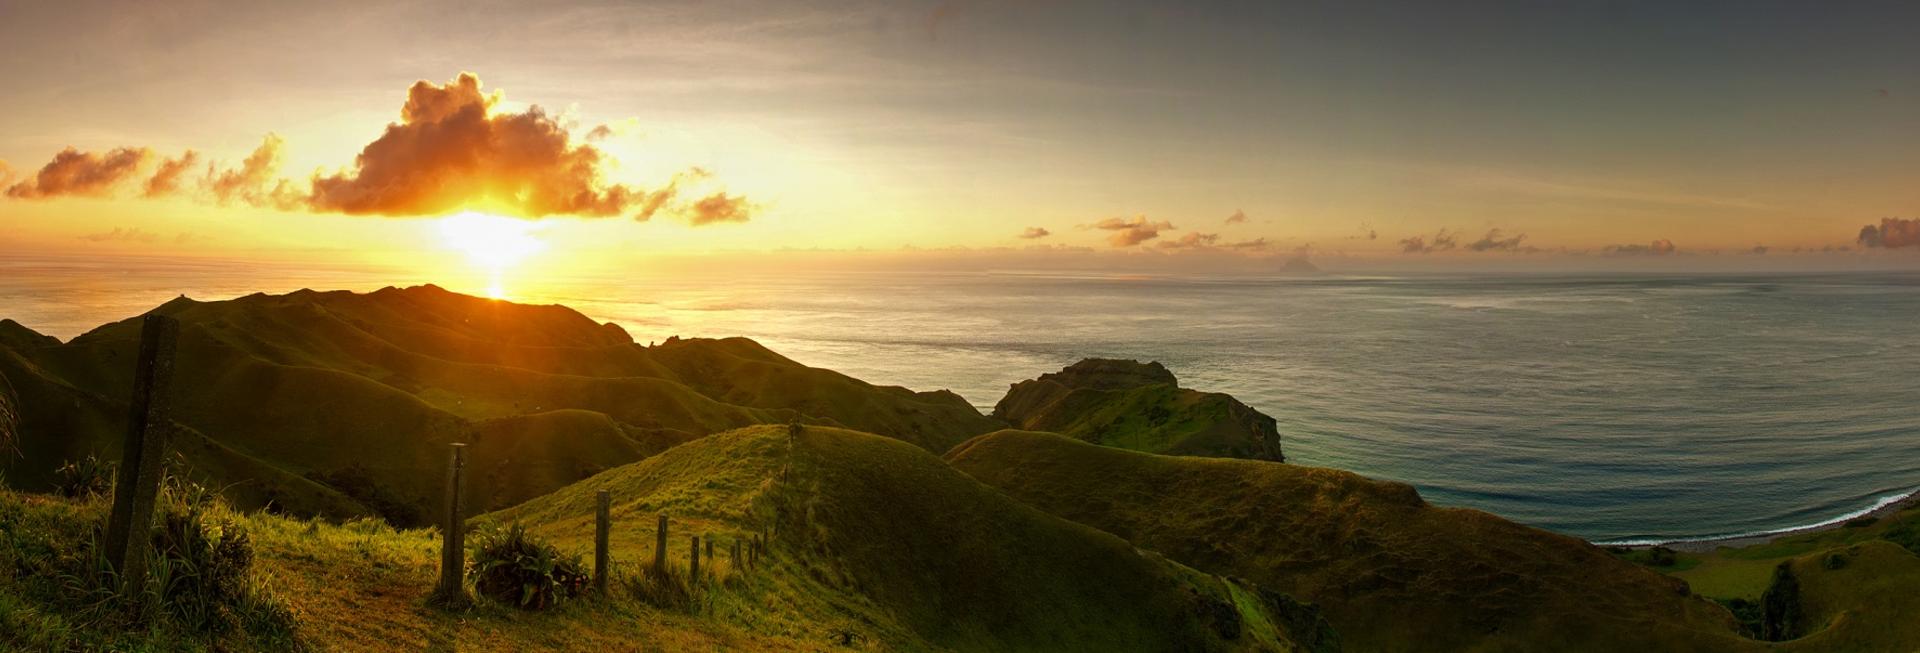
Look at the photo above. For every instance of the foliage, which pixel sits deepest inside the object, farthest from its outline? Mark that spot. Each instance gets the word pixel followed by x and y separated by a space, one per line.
pixel 518 569
pixel 84 478
pixel 1906 534
pixel 1781 615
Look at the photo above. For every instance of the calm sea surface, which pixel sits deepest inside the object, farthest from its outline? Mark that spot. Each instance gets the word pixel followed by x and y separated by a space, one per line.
pixel 1611 408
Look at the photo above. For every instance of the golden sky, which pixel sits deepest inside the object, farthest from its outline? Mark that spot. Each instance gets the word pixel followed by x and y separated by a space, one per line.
pixel 594 135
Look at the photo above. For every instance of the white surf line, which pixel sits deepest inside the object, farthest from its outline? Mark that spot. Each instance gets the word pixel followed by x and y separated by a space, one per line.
pixel 1878 505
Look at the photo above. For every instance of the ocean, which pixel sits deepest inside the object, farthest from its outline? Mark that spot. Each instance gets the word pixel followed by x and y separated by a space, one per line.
pixel 1613 408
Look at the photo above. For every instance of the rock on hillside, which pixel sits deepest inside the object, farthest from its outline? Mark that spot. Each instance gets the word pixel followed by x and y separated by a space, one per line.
pixel 342 403
pixel 1131 405
pixel 910 554
pixel 1391 572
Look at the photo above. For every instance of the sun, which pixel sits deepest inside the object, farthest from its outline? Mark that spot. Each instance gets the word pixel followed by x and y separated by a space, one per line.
pixel 492 243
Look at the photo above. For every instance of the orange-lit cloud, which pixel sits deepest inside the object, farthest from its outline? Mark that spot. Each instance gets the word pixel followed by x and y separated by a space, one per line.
pixel 1238 217
pixel 719 207
pixel 166 180
pixel 72 172
pixel 1656 248
pixel 1893 233
pixel 1127 233
pixel 1035 232
pixel 449 152
pixel 122 234
pixel 1192 240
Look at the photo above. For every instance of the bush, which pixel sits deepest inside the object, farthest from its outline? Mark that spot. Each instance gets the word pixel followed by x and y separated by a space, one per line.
pixel 1861 522
pixel 84 478
pixel 1661 556
pixel 1906 534
pixel 521 570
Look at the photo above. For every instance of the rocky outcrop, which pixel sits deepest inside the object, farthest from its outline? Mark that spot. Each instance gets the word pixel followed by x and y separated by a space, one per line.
pixel 1139 406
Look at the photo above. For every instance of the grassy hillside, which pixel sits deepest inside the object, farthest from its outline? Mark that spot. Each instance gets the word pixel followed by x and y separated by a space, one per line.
pixel 1141 407
pixel 342 403
pixel 887 542
pixel 1391 572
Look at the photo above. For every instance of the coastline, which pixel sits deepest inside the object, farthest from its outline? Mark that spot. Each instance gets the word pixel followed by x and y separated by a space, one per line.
pixel 1890 505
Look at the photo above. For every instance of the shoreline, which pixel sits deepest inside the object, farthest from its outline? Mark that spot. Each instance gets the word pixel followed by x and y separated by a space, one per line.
pixel 1710 544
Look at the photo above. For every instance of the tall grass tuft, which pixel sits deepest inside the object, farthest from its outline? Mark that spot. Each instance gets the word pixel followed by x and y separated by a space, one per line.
pixel 518 569
pixel 84 478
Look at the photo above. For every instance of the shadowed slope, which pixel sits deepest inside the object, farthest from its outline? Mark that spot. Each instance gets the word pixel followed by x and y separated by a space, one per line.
pixel 883 538
pixel 344 402
pixel 1391 572
pixel 1137 406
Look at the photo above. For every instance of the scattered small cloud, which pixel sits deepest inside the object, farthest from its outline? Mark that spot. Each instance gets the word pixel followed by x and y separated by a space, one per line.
pixel 1191 240
pixel 122 234
pixel 166 181
pixel 86 174
pixel 1495 241
pixel 1891 233
pixel 254 182
pixel 1659 247
pixel 1035 232
pixel 1127 233
pixel 1238 217
pixel 1442 241
pixel 719 207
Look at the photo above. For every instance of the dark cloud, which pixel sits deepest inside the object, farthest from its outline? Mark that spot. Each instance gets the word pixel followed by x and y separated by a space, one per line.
pixel 1495 242
pixel 1442 241
pixel 166 180
pixel 719 207
pixel 73 172
pixel 122 234
pixel 1238 217
pixel 1035 232
pixel 600 133
pixel 1892 233
pixel 1660 247
pixel 1759 250
pixel 1127 233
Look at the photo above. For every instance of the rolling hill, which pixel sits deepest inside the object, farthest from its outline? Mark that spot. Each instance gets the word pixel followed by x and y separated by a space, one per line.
pixel 341 403
pixel 1391 572
pixel 884 539
pixel 1139 406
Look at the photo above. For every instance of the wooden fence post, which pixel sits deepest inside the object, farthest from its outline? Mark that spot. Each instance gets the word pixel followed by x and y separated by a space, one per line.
pixel 709 542
pixel 693 564
pixel 660 547
pixel 602 526
pixel 130 523
pixel 453 532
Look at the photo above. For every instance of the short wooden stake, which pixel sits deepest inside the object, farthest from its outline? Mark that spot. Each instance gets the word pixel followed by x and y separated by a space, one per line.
pixel 453 532
pixel 660 547
pixel 602 526
pixel 709 548
pixel 130 523
pixel 693 564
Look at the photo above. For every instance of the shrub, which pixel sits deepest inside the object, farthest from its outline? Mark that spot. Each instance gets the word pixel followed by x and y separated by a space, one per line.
pixel 1861 522
pixel 1906 534
pixel 84 478
pixel 1781 616
pixel 518 569
pixel 1661 556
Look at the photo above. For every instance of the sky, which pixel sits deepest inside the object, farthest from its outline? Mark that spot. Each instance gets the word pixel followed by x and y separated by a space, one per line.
pixel 600 135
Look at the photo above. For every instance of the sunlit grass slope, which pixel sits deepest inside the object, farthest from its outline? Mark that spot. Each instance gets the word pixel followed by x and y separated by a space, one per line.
pixel 883 540
pixel 1139 406
pixel 1391 572
pixel 342 403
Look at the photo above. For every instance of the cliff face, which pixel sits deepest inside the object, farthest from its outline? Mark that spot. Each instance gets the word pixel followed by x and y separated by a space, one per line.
pixel 1139 406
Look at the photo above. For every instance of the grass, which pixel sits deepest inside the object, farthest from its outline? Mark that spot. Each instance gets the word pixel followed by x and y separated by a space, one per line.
pixel 1744 573
pixel 1140 407
pixel 1391 572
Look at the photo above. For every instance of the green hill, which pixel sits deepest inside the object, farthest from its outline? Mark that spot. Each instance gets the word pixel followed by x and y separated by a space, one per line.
pixel 885 540
pixel 1391 572
pixel 1142 407
pixel 341 403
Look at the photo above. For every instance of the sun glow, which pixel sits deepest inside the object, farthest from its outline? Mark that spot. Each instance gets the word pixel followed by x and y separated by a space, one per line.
pixel 492 243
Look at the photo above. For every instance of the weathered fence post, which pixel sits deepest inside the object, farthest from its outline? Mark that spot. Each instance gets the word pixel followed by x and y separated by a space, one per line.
pixel 709 541
pixel 660 547
pixel 601 527
pixel 453 533
pixel 693 565
pixel 130 524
